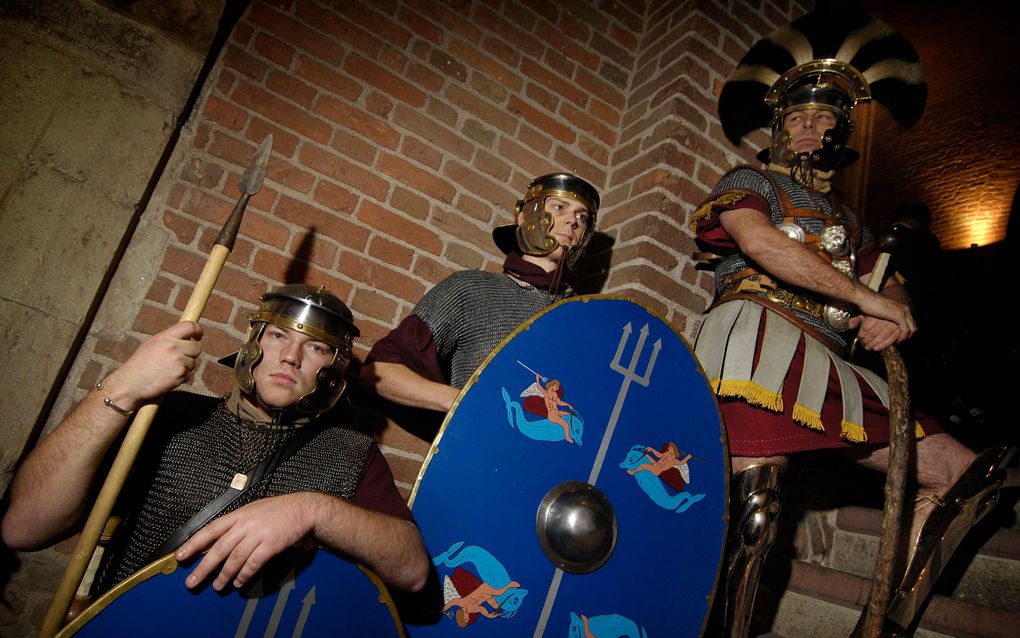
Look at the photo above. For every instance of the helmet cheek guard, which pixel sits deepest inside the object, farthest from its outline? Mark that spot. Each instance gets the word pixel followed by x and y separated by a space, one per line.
pixel 533 228
pixel 248 356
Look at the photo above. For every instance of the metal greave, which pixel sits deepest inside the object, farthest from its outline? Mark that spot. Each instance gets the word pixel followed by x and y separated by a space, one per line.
pixel 754 508
pixel 973 495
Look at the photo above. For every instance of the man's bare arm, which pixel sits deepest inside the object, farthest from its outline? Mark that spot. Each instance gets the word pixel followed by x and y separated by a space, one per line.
pixel 795 263
pixel 244 540
pixel 49 492
pixel 400 384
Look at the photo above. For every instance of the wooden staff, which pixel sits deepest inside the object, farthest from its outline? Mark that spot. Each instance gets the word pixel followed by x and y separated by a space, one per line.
pixel 251 182
pixel 873 616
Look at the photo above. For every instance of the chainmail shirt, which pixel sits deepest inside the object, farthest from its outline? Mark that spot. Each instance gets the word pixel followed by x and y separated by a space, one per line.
pixel 195 447
pixel 471 312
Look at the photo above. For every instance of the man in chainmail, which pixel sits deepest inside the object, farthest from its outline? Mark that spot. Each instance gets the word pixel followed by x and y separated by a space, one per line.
pixel 431 354
pixel 790 264
pixel 288 473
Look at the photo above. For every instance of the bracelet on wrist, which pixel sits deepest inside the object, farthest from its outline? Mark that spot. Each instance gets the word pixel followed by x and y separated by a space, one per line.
pixel 113 406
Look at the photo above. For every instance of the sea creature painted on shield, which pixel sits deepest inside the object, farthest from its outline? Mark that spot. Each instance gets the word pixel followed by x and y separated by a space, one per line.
pixel 662 474
pixel 544 399
pixel 608 626
pixel 478 585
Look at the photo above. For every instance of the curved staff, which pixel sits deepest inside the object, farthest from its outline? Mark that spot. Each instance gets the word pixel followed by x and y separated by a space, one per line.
pixel 251 182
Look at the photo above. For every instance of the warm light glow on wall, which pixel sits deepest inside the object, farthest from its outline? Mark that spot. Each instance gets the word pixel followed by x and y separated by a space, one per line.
pixel 984 229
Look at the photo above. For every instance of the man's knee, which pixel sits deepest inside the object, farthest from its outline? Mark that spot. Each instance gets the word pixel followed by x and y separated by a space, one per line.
pixel 740 463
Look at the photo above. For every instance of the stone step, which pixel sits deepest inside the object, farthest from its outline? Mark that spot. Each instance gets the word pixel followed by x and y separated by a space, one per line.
pixel 819 602
pixel 985 569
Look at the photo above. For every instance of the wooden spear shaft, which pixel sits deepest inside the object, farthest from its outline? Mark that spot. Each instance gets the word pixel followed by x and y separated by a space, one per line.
pixel 122 464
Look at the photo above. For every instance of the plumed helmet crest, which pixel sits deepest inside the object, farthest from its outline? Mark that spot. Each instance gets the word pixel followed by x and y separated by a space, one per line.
pixel 835 60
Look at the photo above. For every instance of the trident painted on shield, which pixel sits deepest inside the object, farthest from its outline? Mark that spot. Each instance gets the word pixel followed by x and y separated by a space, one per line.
pixel 630 374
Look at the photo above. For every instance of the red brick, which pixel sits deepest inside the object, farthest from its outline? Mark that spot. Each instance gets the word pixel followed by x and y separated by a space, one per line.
pixel 373 304
pixel 594 150
pixel 540 120
pixel 358 120
pixel 294 32
pixel 160 290
pixel 201 173
pixel 183 228
pixel 327 77
pixel 410 203
pixel 409 175
pixel 384 80
pixel 532 162
pixel 575 162
pixel 276 110
pixel 217 308
pixel 383 276
pixel 244 63
pixel 335 197
pixel 415 149
pixel 442 112
pixel 432 131
pixel 492 165
pixel 119 349
pixel 263 229
pixel 289 175
pixel 378 104
pixel 588 124
pixel 420 26
pixel 390 252
pixel 90 376
pixel 573 50
pixel 274 50
pixel 217 378
pixel 505 52
pixel 354 147
pixel 595 85
pixel 340 27
pixel 514 37
pixel 335 226
pixel 284 142
pixel 542 97
pixel 431 270
pixel 480 62
pixel 448 65
pixel 225 113
pixel 453 23
pixel 560 85
pixel 399 227
pixel 431 81
pixel 337 167
pixel 453 223
pixel 474 208
pixel 291 88
pixel 151 320
pixel 314 250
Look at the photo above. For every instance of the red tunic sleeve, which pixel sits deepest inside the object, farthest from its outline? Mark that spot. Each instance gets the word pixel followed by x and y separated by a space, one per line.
pixel 376 491
pixel 412 344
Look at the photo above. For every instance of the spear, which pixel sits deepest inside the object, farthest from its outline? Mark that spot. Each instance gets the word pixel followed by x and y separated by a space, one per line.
pixel 251 182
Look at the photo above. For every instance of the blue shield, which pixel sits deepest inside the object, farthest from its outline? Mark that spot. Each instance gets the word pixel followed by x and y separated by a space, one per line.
pixel 596 391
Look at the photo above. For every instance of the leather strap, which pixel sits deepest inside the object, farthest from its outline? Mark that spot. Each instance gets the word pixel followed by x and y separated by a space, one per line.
pixel 217 505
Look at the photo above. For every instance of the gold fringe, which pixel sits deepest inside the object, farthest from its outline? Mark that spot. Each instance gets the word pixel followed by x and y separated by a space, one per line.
pixel 750 392
pixel 705 210
pixel 852 432
pixel 919 432
pixel 807 417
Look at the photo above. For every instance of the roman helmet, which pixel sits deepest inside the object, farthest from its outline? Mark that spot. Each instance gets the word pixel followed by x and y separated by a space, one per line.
pixel 830 61
pixel 531 236
pixel 310 310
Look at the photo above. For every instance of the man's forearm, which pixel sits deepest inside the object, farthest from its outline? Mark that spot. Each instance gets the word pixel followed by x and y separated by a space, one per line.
pixel 400 384
pixel 49 492
pixel 389 546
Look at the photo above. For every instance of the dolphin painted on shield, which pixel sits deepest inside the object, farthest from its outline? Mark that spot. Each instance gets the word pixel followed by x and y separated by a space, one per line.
pixel 652 485
pixel 542 429
pixel 489 570
pixel 608 626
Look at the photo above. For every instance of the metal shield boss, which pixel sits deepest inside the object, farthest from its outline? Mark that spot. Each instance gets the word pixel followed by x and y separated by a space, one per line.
pixel 579 484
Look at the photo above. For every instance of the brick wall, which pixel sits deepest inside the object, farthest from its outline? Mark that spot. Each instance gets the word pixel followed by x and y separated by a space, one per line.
pixel 961 158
